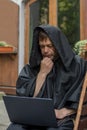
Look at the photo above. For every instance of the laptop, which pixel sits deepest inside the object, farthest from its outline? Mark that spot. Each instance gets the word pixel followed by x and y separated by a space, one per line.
pixel 30 111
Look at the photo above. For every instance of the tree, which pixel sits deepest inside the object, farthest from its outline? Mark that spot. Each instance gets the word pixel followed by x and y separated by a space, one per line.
pixel 68 19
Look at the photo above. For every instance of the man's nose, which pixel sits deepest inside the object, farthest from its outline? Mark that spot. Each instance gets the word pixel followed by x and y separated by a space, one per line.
pixel 45 49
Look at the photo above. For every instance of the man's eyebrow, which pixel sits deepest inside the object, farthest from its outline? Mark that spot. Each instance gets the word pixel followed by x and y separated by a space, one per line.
pixel 47 43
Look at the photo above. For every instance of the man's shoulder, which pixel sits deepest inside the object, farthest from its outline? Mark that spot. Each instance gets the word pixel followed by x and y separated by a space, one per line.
pixel 78 58
pixel 25 68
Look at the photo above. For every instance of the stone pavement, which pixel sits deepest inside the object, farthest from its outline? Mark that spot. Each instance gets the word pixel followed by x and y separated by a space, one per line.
pixel 4 119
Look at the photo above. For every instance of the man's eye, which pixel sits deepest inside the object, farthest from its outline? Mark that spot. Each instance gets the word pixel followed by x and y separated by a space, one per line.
pixel 50 46
pixel 41 47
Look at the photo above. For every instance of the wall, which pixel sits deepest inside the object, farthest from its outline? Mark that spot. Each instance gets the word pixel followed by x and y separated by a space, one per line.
pixel 8 33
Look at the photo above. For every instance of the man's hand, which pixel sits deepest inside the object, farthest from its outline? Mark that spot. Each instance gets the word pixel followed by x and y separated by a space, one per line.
pixel 45 68
pixel 46 65
pixel 60 114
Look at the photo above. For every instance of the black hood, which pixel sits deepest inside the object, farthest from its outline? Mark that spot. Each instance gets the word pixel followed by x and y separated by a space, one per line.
pixel 58 39
pixel 63 83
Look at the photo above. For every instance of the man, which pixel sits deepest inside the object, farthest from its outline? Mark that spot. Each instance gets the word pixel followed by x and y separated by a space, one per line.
pixel 54 71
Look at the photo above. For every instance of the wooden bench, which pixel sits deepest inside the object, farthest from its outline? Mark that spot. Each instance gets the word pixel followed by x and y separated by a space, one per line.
pixel 81 117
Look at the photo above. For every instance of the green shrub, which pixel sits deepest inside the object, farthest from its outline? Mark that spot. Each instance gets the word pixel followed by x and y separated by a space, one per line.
pixel 79 46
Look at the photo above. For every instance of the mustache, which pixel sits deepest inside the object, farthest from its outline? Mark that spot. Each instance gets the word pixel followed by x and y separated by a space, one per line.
pixel 46 55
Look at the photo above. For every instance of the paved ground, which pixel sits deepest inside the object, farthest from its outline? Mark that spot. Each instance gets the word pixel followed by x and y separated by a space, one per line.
pixel 4 119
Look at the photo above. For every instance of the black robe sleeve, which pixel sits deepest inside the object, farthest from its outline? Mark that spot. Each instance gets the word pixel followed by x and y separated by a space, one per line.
pixel 26 82
pixel 73 100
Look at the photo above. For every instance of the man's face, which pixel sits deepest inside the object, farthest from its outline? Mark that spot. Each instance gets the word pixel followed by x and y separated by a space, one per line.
pixel 47 49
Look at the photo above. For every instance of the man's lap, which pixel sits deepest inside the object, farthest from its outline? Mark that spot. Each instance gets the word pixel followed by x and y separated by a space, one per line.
pixel 66 124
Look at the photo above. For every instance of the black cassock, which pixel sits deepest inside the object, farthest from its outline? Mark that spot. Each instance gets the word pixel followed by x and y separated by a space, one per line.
pixel 63 84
